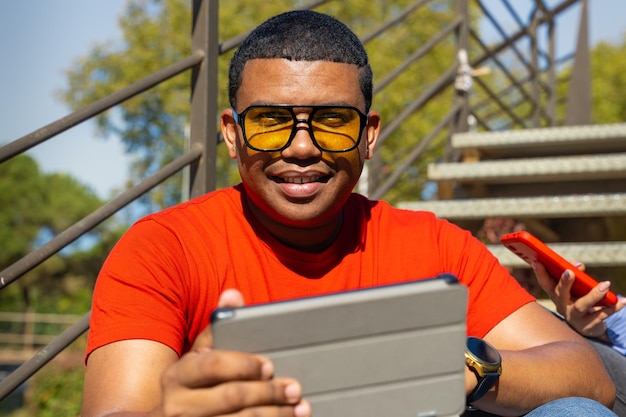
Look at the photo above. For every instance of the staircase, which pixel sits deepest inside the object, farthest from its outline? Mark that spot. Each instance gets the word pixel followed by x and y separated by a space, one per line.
pixel 566 185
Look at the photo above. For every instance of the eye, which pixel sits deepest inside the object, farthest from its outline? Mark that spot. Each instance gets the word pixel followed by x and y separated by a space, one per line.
pixel 332 117
pixel 272 118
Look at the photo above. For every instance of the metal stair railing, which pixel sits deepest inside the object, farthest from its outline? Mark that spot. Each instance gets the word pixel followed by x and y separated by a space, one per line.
pixel 203 93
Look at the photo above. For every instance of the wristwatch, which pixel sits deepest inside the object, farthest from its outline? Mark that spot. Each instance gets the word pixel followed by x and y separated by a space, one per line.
pixel 484 360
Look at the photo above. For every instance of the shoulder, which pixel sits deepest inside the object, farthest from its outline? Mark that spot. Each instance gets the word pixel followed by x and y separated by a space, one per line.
pixel 218 199
pixel 208 217
pixel 208 208
pixel 383 209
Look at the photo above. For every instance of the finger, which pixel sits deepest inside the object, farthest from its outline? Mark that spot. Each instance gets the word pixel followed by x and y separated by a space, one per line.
pixel 563 288
pixel 211 367
pixel 235 396
pixel 229 298
pixel 587 317
pixel 545 281
pixel 588 302
pixel 581 266
pixel 302 409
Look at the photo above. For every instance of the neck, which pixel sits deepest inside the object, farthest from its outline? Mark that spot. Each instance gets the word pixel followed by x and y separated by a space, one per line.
pixel 313 239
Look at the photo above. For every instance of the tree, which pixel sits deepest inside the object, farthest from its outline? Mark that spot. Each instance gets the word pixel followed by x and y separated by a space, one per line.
pixel 156 33
pixel 609 82
pixel 34 207
pixel 17 211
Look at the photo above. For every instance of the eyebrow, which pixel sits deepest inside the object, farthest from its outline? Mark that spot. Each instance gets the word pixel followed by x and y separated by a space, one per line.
pixel 308 105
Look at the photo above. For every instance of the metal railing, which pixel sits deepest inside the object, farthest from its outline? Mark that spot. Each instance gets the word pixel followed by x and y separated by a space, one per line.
pixel 533 85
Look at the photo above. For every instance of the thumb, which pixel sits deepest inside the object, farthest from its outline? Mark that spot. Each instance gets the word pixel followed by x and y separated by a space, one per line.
pixel 229 298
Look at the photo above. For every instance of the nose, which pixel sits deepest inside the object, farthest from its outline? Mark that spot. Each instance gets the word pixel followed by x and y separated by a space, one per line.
pixel 301 146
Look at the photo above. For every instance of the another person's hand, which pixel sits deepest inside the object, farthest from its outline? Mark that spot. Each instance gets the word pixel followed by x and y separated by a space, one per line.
pixel 582 313
pixel 211 382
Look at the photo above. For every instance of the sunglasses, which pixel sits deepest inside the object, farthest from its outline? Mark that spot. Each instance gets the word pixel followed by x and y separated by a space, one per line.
pixel 272 128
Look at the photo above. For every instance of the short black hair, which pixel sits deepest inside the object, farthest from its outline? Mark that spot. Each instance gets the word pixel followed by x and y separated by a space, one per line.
pixel 302 35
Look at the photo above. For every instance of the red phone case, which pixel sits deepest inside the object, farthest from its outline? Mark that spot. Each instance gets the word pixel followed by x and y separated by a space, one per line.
pixel 530 249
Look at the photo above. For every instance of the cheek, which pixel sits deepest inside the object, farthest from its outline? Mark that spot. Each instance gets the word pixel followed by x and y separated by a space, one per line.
pixel 356 164
pixel 252 163
pixel 350 163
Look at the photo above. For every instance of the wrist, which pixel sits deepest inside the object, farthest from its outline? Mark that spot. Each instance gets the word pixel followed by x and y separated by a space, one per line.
pixel 471 380
pixel 485 362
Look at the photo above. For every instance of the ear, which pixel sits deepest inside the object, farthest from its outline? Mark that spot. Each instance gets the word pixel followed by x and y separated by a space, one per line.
pixel 372 130
pixel 230 131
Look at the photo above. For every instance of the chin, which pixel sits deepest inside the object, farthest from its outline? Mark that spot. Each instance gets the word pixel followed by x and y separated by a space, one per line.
pixel 307 217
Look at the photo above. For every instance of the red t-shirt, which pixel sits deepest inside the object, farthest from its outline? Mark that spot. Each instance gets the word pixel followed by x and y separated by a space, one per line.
pixel 163 279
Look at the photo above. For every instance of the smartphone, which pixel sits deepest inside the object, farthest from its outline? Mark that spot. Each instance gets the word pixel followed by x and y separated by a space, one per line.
pixel 387 350
pixel 530 249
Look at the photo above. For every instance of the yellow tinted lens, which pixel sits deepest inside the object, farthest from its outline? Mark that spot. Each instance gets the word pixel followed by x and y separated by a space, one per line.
pixel 268 127
pixel 336 129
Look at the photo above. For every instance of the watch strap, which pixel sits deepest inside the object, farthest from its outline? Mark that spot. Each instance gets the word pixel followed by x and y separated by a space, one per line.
pixel 484 384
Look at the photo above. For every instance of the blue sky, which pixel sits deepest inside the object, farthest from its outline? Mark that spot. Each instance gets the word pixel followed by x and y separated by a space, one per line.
pixel 39 39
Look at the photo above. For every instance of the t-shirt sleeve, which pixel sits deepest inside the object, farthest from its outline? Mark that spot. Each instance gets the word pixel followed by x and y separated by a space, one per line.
pixel 493 293
pixel 140 291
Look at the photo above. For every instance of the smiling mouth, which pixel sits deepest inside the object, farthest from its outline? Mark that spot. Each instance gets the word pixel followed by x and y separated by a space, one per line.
pixel 301 180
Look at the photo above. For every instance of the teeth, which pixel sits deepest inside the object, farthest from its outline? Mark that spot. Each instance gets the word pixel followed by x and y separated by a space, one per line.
pixel 301 180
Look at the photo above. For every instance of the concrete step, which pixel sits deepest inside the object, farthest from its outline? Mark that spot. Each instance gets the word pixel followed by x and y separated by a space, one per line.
pixel 591 254
pixel 533 170
pixel 544 141
pixel 573 172
pixel 575 205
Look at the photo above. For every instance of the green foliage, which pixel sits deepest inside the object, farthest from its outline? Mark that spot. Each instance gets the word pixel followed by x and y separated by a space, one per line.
pixel 17 211
pixel 609 82
pixel 56 390
pixel 50 201
pixel 34 207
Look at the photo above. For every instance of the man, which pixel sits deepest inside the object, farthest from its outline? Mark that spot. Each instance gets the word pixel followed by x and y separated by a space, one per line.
pixel 300 128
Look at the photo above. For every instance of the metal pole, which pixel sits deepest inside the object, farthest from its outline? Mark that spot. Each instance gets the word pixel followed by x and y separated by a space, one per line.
pixel 203 129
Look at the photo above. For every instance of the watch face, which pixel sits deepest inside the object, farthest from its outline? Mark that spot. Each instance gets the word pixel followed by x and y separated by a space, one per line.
pixel 483 350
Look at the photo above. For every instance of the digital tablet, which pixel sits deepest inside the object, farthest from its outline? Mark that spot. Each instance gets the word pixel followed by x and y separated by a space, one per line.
pixel 394 350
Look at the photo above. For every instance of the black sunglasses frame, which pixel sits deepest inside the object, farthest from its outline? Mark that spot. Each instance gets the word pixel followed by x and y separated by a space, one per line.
pixel 240 117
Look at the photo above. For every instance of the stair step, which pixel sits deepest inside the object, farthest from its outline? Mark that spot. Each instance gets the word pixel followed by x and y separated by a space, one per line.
pixel 545 141
pixel 565 168
pixel 591 254
pixel 577 205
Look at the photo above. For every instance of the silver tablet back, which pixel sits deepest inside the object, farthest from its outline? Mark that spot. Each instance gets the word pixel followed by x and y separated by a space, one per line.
pixel 390 351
